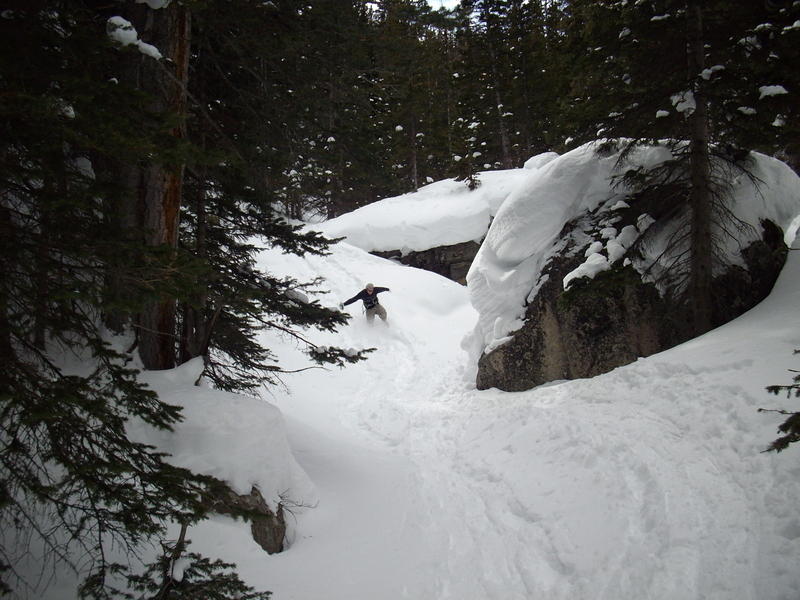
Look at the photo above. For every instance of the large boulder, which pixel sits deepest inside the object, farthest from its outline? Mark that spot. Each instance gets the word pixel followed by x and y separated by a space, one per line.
pixel 612 320
pixel 584 266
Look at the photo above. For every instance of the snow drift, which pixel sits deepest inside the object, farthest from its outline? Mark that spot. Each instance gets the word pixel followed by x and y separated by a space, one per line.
pixel 440 214
pixel 238 439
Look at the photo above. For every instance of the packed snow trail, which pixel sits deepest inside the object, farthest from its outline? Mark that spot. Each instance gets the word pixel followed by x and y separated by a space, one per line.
pixel 647 482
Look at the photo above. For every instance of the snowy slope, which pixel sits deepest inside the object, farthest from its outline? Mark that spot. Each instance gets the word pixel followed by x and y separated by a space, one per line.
pixel 647 482
pixel 407 483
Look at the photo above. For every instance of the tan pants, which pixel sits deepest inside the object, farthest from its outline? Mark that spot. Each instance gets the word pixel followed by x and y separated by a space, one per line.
pixel 376 310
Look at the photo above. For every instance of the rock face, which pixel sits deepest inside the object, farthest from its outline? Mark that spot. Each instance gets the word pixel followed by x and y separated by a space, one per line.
pixel 614 319
pixel 267 527
pixel 449 261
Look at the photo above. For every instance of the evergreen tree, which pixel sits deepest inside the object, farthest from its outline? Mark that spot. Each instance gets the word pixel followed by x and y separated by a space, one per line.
pixel 790 428
pixel 71 479
pixel 494 44
pixel 416 57
pixel 152 205
pixel 233 208
pixel 541 76
pixel 468 124
pixel 333 147
pixel 758 83
pixel 92 163
pixel 686 108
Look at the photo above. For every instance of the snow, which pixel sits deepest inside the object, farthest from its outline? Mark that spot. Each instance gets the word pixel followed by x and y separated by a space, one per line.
pixel 684 102
pixel 594 264
pixel 615 249
pixel 441 213
pixel 708 73
pixel 214 438
pixel 771 90
pixel 122 31
pixel 524 233
pixel 646 482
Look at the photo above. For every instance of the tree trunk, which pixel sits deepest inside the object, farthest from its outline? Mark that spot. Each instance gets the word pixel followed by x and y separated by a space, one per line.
pixel 159 187
pixel 193 331
pixel 505 144
pixel 413 154
pixel 700 275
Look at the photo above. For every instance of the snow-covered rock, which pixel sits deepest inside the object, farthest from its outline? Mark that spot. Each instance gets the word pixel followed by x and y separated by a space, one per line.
pixel 537 247
pixel 213 438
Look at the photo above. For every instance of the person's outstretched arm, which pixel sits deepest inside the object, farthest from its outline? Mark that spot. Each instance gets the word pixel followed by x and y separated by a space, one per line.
pixel 353 299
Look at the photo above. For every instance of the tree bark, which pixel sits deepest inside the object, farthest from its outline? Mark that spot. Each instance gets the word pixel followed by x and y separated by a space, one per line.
pixel 700 275
pixel 160 187
pixel 413 153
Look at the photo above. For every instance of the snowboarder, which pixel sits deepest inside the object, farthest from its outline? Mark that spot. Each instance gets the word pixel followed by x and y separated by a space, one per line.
pixel 369 296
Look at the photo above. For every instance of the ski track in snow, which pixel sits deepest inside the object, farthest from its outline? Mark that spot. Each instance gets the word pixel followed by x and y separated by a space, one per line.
pixel 628 486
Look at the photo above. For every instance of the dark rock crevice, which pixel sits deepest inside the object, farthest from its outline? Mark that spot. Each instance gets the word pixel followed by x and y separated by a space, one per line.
pixel 452 262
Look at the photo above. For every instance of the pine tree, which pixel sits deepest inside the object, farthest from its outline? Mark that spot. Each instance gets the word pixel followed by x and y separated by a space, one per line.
pixel 790 428
pixel 757 84
pixel 332 147
pixel 468 124
pixel 539 78
pixel 232 209
pixel 155 186
pixel 87 150
pixel 686 109
pixel 71 478
pixel 401 29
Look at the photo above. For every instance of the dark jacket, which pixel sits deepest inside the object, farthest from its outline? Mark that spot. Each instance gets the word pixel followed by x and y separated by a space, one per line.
pixel 370 300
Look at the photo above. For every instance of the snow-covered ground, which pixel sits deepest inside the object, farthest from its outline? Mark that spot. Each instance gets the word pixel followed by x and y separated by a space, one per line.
pixel 647 482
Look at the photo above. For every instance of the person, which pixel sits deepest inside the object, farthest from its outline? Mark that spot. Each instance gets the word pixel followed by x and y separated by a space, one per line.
pixel 369 296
